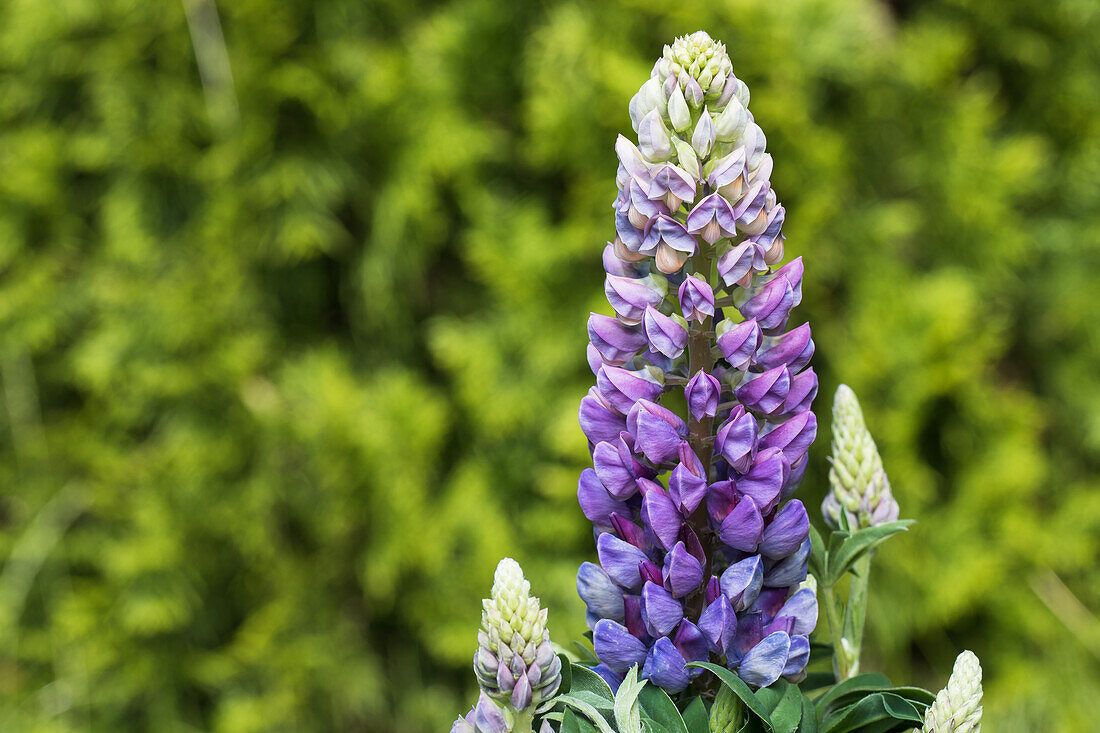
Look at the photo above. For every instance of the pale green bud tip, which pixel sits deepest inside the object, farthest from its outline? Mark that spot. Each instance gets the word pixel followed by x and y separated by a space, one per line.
pixel 858 486
pixel 697 53
pixel 958 707
pixel 508 580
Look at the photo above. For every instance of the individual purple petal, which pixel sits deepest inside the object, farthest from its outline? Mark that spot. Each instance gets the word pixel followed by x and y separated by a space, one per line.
pixel 802 607
pixel 616 342
pixel 712 218
pixel 769 602
pixel 735 440
pixel 661 517
pixel 616 468
pixel 670 180
pixel 702 393
pixel 663 229
pixel 728 169
pixel 765 478
pixel 595 360
pixel 714 589
pixel 629 296
pixel 628 238
pixel 686 488
pixel 598 420
pixel 797 659
pixel 721 499
pixel 488 717
pixel 718 622
pixel 770 305
pixel 765 392
pixel 653 140
pixel 613 680
pixel 802 392
pixel 666 335
pixel 690 641
pixel 632 605
pixel 682 572
pixel 741 528
pixel 621 388
pixel 665 666
pixel 739 342
pixel 631 158
pixel 798 470
pixel 793 272
pixel 741 582
pixel 613 264
pixel 657 431
pixel 790 570
pixel 792 436
pixel 786 531
pixel 751 205
pixel 696 299
pixel 763 664
pixel 620 560
pixel 737 265
pixel 596 503
pixel 599 593
pixel 750 631
pixel 771 239
pixel 794 348
pixel 642 208
pixel 629 532
pixel 616 647
pixel 660 611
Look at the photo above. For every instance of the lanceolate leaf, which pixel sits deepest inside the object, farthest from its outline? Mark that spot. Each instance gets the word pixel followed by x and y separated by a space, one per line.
pixel 808 724
pixel 658 707
pixel 851 548
pixel 695 717
pixel 817 554
pixel 788 711
pixel 877 713
pixel 566 675
pixel 584 705
pixel 869 681
pixel 573 723
pixel 627 716
pixel 735 683
pixel 585 679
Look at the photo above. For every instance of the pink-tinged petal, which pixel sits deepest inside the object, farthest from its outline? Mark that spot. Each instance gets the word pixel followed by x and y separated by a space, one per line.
pixel 739 342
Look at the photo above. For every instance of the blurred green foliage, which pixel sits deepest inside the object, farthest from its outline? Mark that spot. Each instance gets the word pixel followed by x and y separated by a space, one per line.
pixel 292 330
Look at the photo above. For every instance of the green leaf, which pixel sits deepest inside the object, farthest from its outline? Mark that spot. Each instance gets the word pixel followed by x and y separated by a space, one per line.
pixel 739 688
pixel 696 718
pixel 869 681
pixel 816 681
pixel 585 679
pixel 876 713
pixel 658 707
pixel 818 560
pixel 627 715
pixel 582 702
pixel 808 723
pixel 585 654
pixel 852 548
pixel 788 711
pixel 572 723
pixel 566 675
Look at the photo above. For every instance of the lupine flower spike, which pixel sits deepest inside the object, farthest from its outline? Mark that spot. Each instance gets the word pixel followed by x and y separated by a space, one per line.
pixel 858 486
pixel 958 707
pixel 515 664
pixel 701 548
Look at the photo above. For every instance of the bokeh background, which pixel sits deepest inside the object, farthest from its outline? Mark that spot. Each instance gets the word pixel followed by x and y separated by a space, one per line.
pixel 292 306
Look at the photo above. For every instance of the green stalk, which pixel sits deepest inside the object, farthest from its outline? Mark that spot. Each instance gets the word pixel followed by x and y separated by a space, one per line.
pixel 840 658
pixel 523 721
pixel 856 613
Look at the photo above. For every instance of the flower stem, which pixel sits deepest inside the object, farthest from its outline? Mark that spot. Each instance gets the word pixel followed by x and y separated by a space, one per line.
pixel 856 612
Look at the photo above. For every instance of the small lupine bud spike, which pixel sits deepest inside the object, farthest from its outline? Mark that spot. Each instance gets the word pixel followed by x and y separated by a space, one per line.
pixel 958 706
pixel 727 714
pixel 513 639
pixel 858 486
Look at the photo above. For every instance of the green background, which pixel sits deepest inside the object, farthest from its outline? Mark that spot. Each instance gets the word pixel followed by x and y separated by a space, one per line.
pixel 292 335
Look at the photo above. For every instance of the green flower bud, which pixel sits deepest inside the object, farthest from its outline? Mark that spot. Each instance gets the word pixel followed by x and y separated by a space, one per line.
pixel 728 713
pixel 701 59
pixel 958 707
pixel 858 486
pixel 678 112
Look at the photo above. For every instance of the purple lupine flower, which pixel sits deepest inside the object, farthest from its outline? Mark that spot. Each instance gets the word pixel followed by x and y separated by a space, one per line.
pixel 696 299
pixel 704 561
